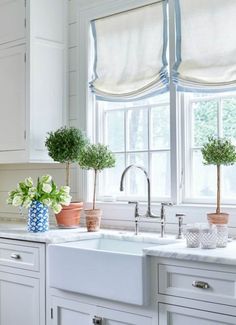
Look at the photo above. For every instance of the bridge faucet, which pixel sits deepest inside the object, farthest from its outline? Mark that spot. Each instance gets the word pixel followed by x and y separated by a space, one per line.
pixel 148 213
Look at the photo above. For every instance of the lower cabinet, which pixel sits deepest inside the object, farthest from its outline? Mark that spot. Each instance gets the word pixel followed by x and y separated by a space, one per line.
pixel 71 312
pixel 175 315
pixel 19 300
pixel 22 283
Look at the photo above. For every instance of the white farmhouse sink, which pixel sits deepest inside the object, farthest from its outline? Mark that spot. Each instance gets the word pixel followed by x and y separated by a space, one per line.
pixel 114 269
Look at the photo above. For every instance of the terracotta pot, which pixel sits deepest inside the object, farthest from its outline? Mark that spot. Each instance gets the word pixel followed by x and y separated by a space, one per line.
pixel 93 219
pixel 69 217
pixel 218 218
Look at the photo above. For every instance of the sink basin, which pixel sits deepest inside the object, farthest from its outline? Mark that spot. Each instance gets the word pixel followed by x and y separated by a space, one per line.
pixel 114 269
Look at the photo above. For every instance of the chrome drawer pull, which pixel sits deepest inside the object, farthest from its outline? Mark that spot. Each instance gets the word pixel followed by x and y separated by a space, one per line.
pixel 97 320
pixel 15 256
pixel 200 284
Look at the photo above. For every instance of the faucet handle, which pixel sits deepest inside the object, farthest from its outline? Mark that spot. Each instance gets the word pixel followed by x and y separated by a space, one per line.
pixel 169 204
pixel 180 217
pixel 136 216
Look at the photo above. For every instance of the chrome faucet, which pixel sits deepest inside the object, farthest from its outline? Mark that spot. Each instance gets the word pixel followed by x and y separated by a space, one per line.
pixel 148 213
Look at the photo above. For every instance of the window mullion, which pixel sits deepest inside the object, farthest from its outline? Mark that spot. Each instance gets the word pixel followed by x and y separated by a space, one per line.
pixel 175 164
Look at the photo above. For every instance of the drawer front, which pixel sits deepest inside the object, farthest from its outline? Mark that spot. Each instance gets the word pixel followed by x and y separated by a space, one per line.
pixel 175 315
pixel 199 284
pixel 19 256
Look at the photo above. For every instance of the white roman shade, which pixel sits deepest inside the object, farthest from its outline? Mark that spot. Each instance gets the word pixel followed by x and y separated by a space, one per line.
pixel 205 45
pixel 130 53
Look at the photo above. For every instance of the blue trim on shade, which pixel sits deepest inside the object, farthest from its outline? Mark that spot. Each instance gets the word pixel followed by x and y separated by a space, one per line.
pixel 134 99
pixel 94 33
pixel 178 57
pixel 198 89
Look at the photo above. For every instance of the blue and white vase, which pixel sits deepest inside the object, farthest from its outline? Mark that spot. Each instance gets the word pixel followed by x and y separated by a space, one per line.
pixel 38 217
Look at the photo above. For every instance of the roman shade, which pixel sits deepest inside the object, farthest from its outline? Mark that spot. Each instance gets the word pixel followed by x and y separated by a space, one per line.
pixel 205 45
pixel 130 53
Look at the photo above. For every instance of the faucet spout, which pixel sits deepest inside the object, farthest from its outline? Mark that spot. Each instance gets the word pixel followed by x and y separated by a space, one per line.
pixel 148 213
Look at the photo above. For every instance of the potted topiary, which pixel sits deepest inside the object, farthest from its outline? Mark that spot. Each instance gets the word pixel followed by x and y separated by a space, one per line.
pixel 218 152
pixel 64 146
pixel 96 157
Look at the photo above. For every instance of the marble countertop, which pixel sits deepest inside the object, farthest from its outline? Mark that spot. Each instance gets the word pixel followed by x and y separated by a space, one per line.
pixel 179 251
pixel 55 235
pixel 167 247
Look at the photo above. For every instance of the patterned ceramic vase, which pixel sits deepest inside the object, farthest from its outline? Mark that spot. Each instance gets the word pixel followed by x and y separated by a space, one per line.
pixel 38 217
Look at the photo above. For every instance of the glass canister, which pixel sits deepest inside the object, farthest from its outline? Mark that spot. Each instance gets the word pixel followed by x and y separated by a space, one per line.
pixel 222 235
pixel 208 236
pixel 192 235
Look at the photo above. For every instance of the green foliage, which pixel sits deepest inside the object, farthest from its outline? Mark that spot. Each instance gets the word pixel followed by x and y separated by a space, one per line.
pixel 96 157
pixel 218 152
pixel 65 144
pixel 45 192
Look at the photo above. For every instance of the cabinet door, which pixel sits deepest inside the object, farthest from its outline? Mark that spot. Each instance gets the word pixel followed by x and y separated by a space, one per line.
pixel 70 312
pixel 175 315
pixel 19 300
pixel 12 20
pixel 12 99
pixel 115 317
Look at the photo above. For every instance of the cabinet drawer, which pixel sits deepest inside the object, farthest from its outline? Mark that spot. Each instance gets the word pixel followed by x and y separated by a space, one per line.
pixel 175 315
pixel 19 256
pixel 218 287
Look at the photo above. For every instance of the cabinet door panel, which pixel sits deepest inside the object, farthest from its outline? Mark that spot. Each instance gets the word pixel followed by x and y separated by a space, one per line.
pixel 174 315
pixel 12 20
pixel 69 312
pixel 115 317
pixel 12 99
pixel 19 300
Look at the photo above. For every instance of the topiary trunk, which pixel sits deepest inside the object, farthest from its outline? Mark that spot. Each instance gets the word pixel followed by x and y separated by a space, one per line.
pixel 68 174
pixel 94 188
pixel 218 190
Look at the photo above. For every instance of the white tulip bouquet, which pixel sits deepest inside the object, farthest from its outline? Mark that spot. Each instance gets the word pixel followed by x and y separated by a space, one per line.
pixel 45 192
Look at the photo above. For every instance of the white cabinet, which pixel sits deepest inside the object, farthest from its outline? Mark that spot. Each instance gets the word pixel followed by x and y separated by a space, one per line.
pixel 33 80
pixel 22 283
pixel 175 315
pixel 67 311
pixel 114 317
pixel 12 20
pixel 12 98
pixel 19 300
pixel 195 293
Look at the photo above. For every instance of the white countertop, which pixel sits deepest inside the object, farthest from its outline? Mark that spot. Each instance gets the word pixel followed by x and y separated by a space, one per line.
pixel 55 235
pixel 157 248
pixel 179 251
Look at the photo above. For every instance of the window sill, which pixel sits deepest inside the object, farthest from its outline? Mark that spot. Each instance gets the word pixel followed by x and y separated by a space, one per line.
pixel 121 214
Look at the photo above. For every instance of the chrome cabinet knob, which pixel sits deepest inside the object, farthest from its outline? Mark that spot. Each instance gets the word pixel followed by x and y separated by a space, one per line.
pixel 15 256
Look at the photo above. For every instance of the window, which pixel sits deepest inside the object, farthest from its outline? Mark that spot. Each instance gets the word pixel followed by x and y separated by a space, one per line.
pixel 138 133
pixel 162 133
pixel 208 115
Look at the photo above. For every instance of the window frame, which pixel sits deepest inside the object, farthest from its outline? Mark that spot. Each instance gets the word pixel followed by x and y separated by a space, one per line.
pixel 101 137
pixel 187 135
pixel 87 118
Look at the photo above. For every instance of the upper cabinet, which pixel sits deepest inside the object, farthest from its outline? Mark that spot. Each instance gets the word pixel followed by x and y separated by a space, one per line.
pixel 33 81
pixel 12 20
